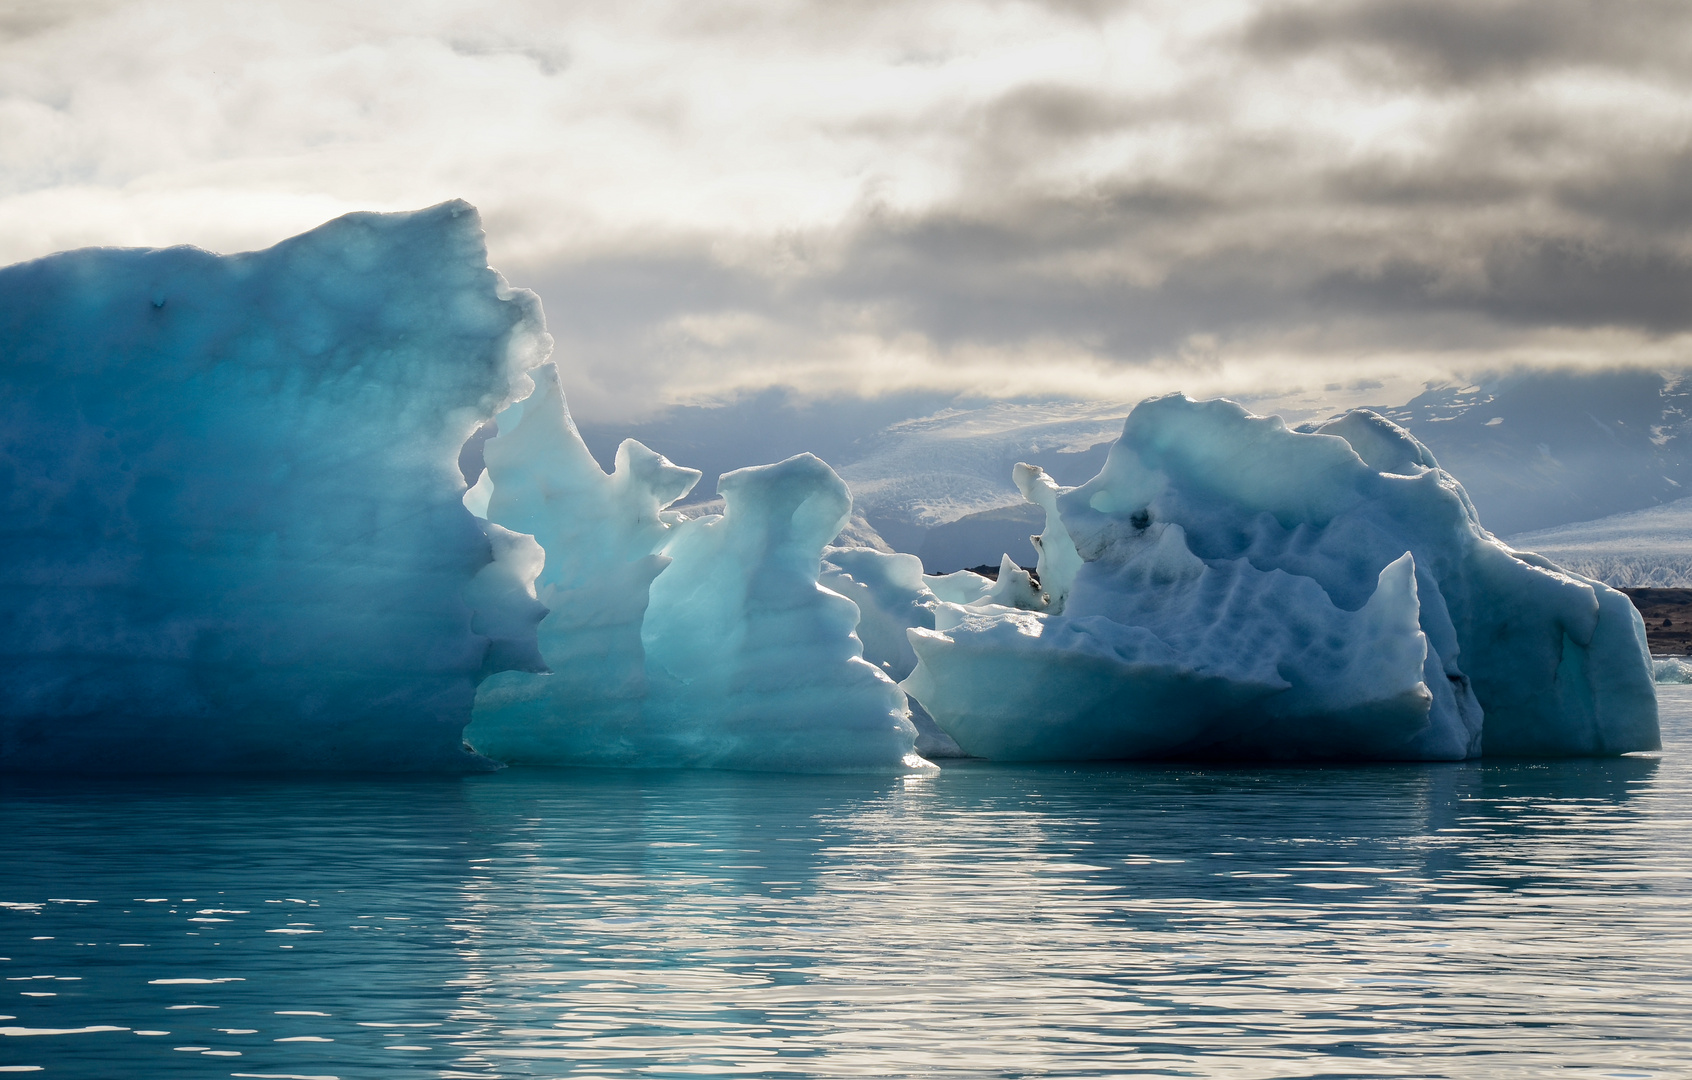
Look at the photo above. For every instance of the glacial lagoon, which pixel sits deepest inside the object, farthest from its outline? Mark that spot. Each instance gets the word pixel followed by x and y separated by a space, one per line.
pixel 1487 918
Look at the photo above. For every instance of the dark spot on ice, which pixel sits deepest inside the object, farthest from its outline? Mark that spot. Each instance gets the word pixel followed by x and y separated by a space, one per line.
pixel 1141 518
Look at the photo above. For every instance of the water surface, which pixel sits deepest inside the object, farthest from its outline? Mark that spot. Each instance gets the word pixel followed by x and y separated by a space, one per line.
pixel 1491 919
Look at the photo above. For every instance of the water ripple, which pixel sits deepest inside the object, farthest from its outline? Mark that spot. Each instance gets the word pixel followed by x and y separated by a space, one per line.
pixel 1496 920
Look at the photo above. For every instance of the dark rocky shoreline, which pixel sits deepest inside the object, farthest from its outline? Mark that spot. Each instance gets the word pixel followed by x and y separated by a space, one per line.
pixel 1668 619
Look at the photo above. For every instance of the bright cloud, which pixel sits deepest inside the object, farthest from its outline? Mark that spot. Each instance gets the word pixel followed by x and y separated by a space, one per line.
pixel 1087 199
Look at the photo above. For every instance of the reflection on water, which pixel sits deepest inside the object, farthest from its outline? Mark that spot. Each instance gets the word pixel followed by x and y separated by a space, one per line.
pixel 1472 920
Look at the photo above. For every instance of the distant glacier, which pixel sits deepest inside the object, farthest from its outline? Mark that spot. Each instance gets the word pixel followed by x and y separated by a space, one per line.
pixel 1640 549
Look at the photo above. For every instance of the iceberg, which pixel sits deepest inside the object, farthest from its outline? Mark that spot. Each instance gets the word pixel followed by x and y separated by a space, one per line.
pixel 892 596
pixel 675 642
pixel 596 541
pixel 1227 587
pixel 1671 669
pixel 755 664
pixel 233 535
pixel 323 507
pixel 239 535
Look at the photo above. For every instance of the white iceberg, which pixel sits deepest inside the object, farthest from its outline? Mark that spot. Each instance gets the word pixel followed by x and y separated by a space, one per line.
pixel 1227 587
pixel 233 535
pixel 674 642
pixel 596 543
pixel 753 664
pixel 892 596
pixel 895 596
pixel 1671 669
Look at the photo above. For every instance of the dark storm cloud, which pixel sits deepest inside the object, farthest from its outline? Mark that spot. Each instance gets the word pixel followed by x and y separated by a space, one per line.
pixel 1508 211
pixel 1011 277
pixel 1647 192
pixel 981 282
pixel 1574 283
pixel 1429 186
pixel 956 280
pixel 1468 41
pixel 1087 9
pixel 1507 150
pixel 1021 274
pixel 1037 117
pixel 1535 282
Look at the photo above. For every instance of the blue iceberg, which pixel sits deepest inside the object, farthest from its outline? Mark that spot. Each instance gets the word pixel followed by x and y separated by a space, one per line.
pixel 238 536
pixel 674 642
pixel 232 533
pixel 1227 587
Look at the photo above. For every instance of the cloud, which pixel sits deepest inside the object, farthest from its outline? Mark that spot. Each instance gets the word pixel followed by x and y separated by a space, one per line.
pixel 20 19
pixel 1536 282
pixel 1644 193
pixel 1468 41
pixel 991 198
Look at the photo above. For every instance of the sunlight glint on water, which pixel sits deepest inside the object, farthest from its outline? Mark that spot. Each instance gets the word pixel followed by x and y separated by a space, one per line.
pixel 1481 920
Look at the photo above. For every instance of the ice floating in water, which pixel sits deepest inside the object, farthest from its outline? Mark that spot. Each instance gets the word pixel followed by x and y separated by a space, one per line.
pixel 1671 669
pixel 235 538
pixel 1228 587
pixel 679 643
pixel 233 534
pixel 894 596
pixel 596 555
pixel 891 596
pixel 752 664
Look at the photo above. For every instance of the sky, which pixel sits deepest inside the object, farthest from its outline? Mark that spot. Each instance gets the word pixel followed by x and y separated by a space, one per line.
pixel 1076 199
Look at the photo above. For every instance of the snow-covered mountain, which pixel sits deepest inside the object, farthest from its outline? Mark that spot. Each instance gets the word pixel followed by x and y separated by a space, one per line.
pixel 1534 449
pixel 933 477
pixel 940 485
pixel 1546 448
